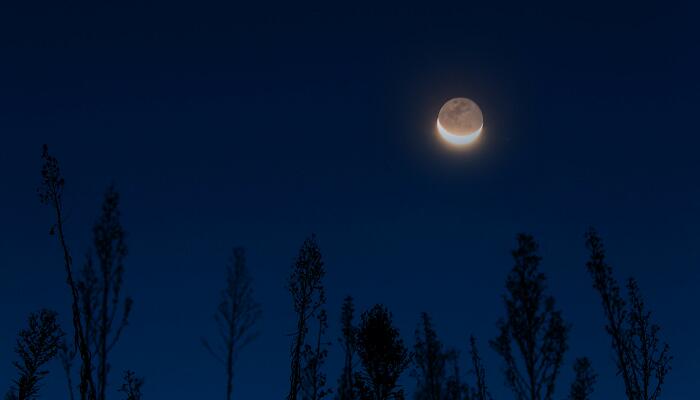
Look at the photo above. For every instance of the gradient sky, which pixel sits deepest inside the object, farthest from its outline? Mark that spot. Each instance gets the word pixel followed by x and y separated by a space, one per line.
pixel 228 125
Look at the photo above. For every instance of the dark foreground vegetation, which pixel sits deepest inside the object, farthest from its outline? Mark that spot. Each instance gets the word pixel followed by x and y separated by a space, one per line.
pixel 532 340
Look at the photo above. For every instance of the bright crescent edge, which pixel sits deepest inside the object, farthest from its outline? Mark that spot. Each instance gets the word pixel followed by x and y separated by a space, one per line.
pixel 458 139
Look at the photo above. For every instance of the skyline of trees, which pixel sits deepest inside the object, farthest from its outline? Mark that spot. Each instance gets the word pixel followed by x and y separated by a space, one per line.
pixel 532 340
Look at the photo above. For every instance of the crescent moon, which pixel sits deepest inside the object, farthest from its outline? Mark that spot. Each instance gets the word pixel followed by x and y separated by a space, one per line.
pixel 458 139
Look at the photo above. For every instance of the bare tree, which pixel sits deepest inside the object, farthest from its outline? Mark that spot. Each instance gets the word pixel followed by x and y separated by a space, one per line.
pixel 582 387
pixel 131 386
pixel 346 382
pixel 313 379
pixel 383 355
pixel 534 325
pixel 36 346
pixel 51 193
pixel 236 316
pixel 308 296
pixel 642 361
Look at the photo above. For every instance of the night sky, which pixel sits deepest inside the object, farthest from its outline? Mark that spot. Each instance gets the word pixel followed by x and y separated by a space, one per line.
pixel 227 126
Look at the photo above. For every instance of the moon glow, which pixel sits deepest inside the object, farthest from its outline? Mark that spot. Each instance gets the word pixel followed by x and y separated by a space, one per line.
pixel 460 121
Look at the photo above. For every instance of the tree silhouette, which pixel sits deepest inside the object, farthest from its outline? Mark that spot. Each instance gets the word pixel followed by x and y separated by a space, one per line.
pixel 533 325
pixel 585 378
pixel 455 389
pixel 131 386
pixel 100 291
pixel 383 355
pixel 110 247
pixel 480 390
pixel 88 294
pixel 236 316
pixel 308 296
pixel 36 345
pixel 346 382
pixel 430 360
pixel 642 361
pixel 67 354
pixel 51 193
pixel 437 370
pixel 313 379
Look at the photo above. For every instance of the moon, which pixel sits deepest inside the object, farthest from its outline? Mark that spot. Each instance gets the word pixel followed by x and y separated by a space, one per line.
pixel 460 121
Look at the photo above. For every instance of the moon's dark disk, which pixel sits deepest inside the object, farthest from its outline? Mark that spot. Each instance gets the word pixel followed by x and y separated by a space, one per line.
pixel 460 121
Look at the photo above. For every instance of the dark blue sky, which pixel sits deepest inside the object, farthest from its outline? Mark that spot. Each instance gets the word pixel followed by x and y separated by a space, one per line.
pixel 232 125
